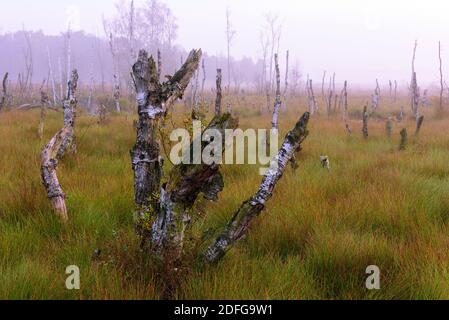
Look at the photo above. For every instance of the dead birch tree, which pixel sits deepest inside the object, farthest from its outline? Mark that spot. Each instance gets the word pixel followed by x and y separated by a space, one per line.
pixel 52 77
pixel 278 101
pixel 230 34
pixel 344 95
pixel 238 226
pixel 55 150
pixel 365 122
pixel 414 90
pixel 44 102
pixel 313 107
pixel 219 95
pixel 286 84
pixel 116 76
pixel 375 98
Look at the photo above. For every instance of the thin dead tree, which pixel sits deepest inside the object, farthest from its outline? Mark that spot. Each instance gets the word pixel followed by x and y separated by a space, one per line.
pixel 441 76
pixel 414 90
pixel 404 137
pixel 230 34
pixel 345 108
pixel 278 101
pixel 116 76
pixel 55 150
pixel 44 103
pixel 286 84
pixel 313 107
pixel 419 124
pixel 323 93
pixel 52 77
pixel 219 95
pixel 203 83
pixel 4 96
pixel 375 99
pixel 238 226
pixel 365 122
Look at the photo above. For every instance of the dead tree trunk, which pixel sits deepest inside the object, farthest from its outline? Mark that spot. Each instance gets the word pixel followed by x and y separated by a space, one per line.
pixel 419 124
pixel 153 99
pixel 180 193
pixel 403 143
pixel 284 95
pixel 54 151
pixel 365 122
pixel 277 102
pixel 44 103
pixel 345 108
pixel 219 94
pixel 238 226
pixel 311 98
pixel 4 98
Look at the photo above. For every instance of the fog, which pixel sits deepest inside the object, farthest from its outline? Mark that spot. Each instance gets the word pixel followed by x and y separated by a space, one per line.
pixel 358 40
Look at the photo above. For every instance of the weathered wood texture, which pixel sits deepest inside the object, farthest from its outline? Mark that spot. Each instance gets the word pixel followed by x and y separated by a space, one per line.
pixel 153 99
pixel 178 195
pixel 55 150
pixel 238 226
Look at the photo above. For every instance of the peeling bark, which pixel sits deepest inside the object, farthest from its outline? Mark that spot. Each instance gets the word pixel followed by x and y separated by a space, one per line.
pixel 238 226
pixel 54 151
pixel 153 99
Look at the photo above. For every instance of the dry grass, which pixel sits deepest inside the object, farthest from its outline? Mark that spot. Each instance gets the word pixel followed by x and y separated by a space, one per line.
pixel 319 233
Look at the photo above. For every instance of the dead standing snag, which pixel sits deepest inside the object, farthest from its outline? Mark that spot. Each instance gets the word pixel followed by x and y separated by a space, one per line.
pixel 54 151
pixel 153 99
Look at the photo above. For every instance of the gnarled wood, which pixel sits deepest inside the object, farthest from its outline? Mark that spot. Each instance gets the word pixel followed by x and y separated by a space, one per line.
pixel 238 226
pixel 54 151
pixel 178 196
pixel 153 99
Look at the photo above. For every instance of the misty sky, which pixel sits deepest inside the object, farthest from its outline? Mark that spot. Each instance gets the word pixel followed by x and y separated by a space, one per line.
pixel 359 40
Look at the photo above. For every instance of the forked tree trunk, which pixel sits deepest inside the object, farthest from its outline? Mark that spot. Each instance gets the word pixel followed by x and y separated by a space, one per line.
pixel 54 151
pixel 238 226
pixel 178 196
pixel 153 99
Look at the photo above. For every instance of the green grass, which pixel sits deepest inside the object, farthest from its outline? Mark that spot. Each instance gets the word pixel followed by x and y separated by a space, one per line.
pixel 319 233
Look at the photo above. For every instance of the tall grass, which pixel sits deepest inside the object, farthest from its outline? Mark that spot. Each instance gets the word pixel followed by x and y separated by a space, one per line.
pixel 377 206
